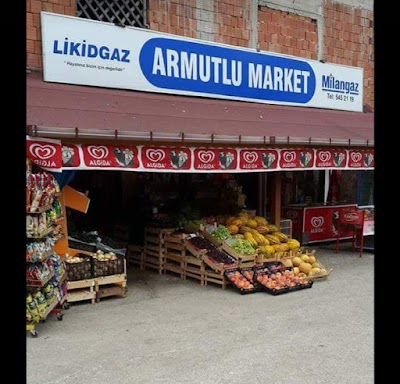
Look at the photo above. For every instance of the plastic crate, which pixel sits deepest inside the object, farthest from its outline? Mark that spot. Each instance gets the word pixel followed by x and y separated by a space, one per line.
pixel 80 271
pixel 108 267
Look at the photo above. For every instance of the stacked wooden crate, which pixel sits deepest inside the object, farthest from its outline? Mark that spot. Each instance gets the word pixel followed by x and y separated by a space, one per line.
pixel 154 250
pixel 175 254
pixel 194 266
pixel 135 255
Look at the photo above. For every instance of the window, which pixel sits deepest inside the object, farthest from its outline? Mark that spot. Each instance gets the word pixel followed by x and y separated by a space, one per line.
pixel 121 12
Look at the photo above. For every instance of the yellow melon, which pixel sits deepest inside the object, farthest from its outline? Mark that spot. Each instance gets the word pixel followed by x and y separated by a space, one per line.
pixel 305 268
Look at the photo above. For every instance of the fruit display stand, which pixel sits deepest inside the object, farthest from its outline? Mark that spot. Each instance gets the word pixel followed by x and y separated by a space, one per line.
pixel 213 255
pixel 93 288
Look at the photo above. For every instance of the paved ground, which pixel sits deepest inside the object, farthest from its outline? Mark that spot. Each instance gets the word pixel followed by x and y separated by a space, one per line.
pixel 172 331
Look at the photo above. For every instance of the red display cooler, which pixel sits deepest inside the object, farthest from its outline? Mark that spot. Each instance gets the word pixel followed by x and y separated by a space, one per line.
pixel 311 224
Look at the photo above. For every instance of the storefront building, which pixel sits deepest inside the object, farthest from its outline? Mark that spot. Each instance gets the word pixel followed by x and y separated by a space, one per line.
pixel 174 98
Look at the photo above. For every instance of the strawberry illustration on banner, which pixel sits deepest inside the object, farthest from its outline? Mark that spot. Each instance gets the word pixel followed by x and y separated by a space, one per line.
pixel 327 158
pixel 214 159
pixel 70 156
pixel 258 159
pixel 166 158
pixel 297 158
pixel 107 156
pixel 45 153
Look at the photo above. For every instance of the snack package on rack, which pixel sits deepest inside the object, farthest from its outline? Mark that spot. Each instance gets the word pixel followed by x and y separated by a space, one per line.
pixel 63 288
pixel 42 223
pixel 41 303
pixel 38 272
pixel 57 232
pixel 36 197
pixel 35 250
pixel 58 266
pixel 49 293
pixel 31 308
pixel 58 293
pixel 41 189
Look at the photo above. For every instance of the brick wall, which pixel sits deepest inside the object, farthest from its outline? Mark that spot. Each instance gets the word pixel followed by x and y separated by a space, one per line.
pixel 348 38
pixel 223 21
pixel 33 31
pixel 288 33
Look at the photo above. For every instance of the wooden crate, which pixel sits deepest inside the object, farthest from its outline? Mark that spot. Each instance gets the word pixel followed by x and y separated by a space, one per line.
pixel 198 253
pixel 156 236
pixel 135 255
pixel 242 260
pixel 175 254
pixel 110 290
pixel 174 263
pixel 215 278
pixel 219 268
pixel 194 268
pixel 114 285
pixel 282 255
pixel 113 279
pixel 153 260
pixel 81 290
pixel 175 238
pixel 246 263
pixel 207 235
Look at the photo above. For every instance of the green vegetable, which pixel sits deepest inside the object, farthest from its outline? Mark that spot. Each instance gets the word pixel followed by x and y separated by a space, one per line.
pixel 243 247
pixel 221 233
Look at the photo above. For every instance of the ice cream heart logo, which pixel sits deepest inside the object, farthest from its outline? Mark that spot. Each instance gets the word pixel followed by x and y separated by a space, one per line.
pixel 317 221
pixel 291 214
pixel 206 156
pixel 98 152
pixel 289 156
pixel 356 156
pixel 250 157
pixel 42 151
pixel 324 156
pixel 155 155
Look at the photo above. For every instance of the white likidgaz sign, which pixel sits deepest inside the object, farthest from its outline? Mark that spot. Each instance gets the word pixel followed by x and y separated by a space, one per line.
pixel 87 52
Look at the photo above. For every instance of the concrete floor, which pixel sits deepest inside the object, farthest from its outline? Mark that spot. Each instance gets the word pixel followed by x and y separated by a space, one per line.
pixel 172 331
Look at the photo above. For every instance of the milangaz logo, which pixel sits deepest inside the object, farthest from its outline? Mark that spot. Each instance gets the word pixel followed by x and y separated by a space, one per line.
pixel 332 84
